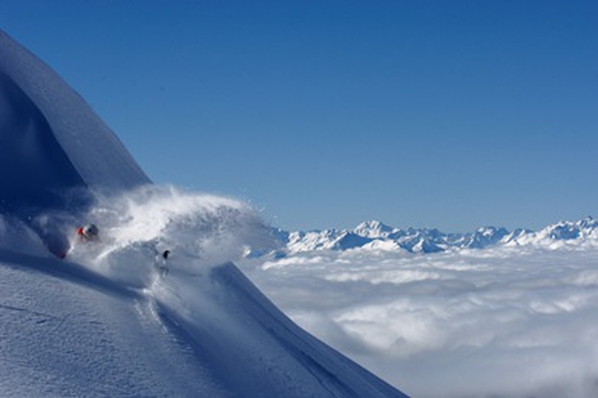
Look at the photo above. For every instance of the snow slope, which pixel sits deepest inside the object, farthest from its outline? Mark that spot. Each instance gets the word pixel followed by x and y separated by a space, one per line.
pixel 67 332
pixel 104 321
pixel 40 108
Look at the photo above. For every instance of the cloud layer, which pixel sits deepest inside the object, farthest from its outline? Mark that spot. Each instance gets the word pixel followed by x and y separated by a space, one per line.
pixel 495 322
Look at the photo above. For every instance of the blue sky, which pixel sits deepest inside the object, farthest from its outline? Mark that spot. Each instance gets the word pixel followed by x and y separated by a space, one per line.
pixel 449 114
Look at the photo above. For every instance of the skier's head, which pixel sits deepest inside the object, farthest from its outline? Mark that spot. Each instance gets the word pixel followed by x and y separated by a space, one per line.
pixel 166 254
pixel 90 231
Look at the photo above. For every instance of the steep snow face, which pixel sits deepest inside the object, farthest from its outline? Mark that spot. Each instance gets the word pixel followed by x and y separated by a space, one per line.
pixel 35 169
pixel 53 148
pixel 51 139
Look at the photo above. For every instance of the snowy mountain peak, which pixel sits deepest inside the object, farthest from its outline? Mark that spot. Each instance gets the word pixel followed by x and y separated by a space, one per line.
pixel 373 229
pixel 588 223
pixel 349 240
pixel 374 235
pixel 486 236
pixel 491 231
pixel 567 230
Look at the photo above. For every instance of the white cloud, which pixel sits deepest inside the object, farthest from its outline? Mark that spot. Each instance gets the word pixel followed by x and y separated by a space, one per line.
pixel 506 321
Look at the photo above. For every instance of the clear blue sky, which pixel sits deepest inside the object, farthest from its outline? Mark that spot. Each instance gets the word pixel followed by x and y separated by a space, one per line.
pixel 449 114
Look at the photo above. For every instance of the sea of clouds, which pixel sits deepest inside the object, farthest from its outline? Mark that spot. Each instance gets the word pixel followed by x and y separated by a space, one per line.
pixel 506 321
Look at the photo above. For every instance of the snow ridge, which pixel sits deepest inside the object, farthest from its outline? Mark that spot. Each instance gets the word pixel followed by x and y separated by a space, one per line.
pixel 54 148
pixel 375 235
pixel 61 113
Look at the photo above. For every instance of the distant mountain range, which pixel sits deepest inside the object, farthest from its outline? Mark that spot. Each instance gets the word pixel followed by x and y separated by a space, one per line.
pixel 376 236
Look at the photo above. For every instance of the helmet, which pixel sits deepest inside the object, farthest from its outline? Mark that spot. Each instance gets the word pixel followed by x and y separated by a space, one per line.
pixel 90 231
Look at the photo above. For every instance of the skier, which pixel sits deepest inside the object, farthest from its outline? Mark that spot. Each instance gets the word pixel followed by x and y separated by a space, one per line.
pixel 160 262
pixel 88 233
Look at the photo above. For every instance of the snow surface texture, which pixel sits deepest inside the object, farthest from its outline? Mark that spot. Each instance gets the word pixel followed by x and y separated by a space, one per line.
pixel 505 321
pixel 107 320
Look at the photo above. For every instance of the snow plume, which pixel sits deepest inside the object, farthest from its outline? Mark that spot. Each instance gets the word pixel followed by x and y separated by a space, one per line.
pixel 136 227
pixel 508 322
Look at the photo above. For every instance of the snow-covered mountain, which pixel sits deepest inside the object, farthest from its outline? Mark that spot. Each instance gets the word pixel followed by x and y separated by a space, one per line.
pixel 54 149
pixel 375 235
pixel 103 321
pixel 584 231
